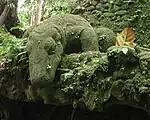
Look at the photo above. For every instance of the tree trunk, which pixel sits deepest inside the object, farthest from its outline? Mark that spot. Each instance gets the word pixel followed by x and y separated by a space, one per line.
pixel 4 14
pixel 39 11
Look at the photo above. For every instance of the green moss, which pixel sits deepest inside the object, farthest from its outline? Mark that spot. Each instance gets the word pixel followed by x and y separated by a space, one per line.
pixel 140 21
pixel 106 38
pixel 108 14
pixel 133 13
pixel 76 81
pixel 96 78
pixel 48 41
pixel 121 12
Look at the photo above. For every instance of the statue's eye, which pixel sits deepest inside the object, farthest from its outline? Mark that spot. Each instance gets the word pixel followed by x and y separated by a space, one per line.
pixel 102 37
pixel 50 46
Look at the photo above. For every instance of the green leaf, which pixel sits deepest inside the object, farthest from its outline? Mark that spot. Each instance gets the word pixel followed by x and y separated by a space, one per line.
pixel 125 50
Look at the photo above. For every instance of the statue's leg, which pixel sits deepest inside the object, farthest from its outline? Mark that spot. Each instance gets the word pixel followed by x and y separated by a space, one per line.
pixel 86 35
pixel 89 40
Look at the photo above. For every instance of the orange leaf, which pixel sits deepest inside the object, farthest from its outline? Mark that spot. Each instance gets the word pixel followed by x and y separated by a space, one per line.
pixel 119 43
pixel 128 34
pixel 119 40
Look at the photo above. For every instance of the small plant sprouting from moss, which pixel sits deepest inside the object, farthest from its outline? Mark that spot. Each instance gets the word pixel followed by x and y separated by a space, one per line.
pixel 10 46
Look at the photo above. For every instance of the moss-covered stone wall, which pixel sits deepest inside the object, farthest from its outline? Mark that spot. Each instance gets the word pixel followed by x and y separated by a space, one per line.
pixel 117 14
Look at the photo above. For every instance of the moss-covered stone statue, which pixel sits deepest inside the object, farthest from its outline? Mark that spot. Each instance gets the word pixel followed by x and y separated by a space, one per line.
pixel 106 38
pixel 60 34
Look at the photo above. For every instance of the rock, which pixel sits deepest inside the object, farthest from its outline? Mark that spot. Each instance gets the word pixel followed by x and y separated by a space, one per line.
pixel 99 6
pixel 115 8
pixel 91 19
pixel 97 13
pixel 106 38
pixel 111 1
pixel 94 3
pixel 104 10
pixel 108 14
pixel 121 12
pixel 119 2
pixel 123 52
pixel 103 1
pixel 106 6
pixel 90 8
pixel 125 17
pixel 78 10
pixel 87 13
pixel 124 7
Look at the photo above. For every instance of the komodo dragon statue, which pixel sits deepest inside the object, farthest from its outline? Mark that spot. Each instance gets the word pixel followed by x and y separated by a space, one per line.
pixel 60 34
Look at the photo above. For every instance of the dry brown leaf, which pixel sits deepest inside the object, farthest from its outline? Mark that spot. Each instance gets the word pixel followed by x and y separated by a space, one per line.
pixel 119 40
pixel 127 35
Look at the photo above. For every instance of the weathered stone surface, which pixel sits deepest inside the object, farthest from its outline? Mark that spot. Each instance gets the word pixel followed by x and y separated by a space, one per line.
pixel 137 12
pixel 94 3
pixel 99 6
pixel 120 68
pixel 115 8
pixel 121 12
pixel 120 75
pixel 108 14
pixel 80 79
pixel 50 40
pixel 90 8
pixel 106 38
pixel 106 6
pixel 125 7
pixel 97 13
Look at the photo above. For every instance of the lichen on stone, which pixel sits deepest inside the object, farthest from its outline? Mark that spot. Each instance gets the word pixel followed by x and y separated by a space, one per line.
pixel 60 34
pixel 134 13
pixel 92 81
pixel 83 75
pixel 106 38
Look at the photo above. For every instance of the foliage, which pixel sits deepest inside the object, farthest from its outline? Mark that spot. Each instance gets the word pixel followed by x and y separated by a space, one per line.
pixel 24 13
pixel 50 8
pixel 91 80
pixel 60 7
pixel 57 7
pixel 24 19
pixel 79 82
pixel 10 46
